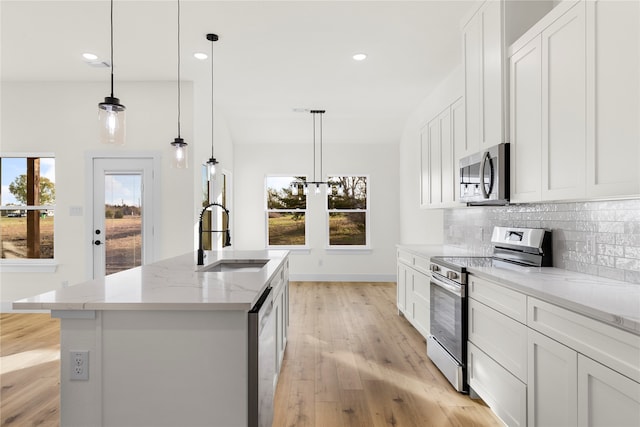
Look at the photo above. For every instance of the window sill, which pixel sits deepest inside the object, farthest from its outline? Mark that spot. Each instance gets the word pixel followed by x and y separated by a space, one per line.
pixel 349 250
pixel 295 249
pixel 28 266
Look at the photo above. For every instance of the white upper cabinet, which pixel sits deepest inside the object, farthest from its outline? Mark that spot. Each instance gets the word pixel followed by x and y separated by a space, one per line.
pixel 495 25
pixel 526 122
pixel 563 106
pixel 438 141
pixel 575 104
pixel 613 98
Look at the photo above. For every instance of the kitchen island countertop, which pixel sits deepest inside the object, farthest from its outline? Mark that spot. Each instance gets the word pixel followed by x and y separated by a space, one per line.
pixel 171 284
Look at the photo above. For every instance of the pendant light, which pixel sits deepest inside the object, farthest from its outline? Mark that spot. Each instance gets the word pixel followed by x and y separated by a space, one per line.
pixel 111 113
pixel 178 145
pixel 212 162
pixel 317 117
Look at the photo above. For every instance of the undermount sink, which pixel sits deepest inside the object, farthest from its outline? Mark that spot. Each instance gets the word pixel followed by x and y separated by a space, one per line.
pixel 235 265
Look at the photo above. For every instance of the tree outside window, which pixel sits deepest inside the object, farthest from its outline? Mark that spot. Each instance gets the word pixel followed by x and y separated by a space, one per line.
pixel 286 210
pixel 27 204
pixel 347 205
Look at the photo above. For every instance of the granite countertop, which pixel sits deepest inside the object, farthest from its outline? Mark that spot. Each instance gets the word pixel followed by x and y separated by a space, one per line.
pixel 611 301
pixel 171 284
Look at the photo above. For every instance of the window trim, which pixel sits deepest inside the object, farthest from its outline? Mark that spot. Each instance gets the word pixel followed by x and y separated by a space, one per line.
pixel 31 265
pixel 301 248
pixel 366 248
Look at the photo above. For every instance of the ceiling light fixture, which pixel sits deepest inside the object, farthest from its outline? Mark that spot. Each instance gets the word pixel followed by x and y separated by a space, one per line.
pixel 179 146
pixel 111 114
pixel 201 56
pixel 360 56
pixel 212 162
pixel 89 56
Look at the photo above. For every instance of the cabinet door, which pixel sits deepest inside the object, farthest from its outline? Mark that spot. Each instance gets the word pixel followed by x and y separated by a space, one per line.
pixel 492 112
pixel 277 310
pixel 420 299
pixel 425 181
pixel 434 150
pixel 563 106
pixel 402 288
pixel 447 190
pixel 526 122
pixel 502 338
pixel 613 98
pixel 504 393
pixel 552 382
pixel 458 141
pixel 605 397
pixel 472 52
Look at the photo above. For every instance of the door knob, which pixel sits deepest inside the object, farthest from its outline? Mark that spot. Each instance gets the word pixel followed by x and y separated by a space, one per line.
pixel 97 243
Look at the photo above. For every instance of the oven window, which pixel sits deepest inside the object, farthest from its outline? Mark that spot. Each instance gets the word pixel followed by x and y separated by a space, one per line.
pixel 446 320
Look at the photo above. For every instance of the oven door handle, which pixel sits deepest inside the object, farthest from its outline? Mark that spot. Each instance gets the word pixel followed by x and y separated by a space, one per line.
pixel 456 290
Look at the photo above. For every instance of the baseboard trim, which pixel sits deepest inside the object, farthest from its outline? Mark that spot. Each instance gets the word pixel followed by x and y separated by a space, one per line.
pixel 342 277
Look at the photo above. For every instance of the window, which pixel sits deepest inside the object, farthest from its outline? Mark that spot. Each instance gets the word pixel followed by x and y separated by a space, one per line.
pixel 348 211
pixel 27 205
pixel 286 211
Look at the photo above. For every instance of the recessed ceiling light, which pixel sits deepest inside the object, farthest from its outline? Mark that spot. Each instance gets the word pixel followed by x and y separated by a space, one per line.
pixel 201 56
pixel 89 56
pixel 360 56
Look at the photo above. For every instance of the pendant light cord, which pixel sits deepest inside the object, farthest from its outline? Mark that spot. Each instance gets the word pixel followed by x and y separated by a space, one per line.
pixel 314 147
pixel 212 41
pixel 112 49
pixel 321 176
pixel 178 68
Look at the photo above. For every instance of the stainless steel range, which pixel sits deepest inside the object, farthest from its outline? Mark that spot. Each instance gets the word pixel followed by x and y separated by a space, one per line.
pixel 447 342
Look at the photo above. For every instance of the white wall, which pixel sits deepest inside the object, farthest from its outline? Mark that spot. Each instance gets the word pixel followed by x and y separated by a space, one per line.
pixel 417 225
pixel 378 161
pixel 61 118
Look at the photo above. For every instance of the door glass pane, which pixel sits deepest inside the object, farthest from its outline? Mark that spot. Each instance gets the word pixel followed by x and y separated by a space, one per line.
pixel 123 221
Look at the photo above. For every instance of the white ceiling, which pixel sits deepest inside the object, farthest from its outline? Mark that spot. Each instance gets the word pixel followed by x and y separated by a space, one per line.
pixel 272 56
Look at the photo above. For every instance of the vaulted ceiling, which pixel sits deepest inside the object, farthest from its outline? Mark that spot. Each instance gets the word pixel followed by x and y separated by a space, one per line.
pixel 272 56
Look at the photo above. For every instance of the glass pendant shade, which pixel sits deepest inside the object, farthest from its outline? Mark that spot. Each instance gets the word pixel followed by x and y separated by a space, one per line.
pixel 294 189
pixel 179 159
pixel 317 191
pixel 211 168
pixel 111 118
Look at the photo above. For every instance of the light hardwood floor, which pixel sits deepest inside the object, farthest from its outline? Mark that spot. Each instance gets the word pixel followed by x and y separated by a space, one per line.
pixel 350 361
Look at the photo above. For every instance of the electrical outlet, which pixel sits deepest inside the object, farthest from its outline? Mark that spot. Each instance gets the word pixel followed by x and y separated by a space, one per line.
pixel 79 361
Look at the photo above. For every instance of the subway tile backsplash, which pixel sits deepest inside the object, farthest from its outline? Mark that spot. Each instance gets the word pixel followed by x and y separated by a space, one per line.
pixel 600 238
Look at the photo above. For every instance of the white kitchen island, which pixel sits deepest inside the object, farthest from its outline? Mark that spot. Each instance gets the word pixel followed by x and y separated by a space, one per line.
pixel 167 344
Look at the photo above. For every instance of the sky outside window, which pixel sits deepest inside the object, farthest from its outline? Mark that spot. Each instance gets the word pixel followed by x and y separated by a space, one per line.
pixel 12 167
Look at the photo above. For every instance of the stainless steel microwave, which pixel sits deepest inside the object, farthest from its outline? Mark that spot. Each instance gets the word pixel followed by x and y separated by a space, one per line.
pixel 484 177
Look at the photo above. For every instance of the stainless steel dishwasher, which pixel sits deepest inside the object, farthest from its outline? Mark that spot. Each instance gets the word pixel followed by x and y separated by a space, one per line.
pixel 262 361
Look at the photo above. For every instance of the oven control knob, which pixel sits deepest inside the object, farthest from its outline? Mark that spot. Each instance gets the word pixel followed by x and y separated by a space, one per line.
pixel 452 275
pixel 434 267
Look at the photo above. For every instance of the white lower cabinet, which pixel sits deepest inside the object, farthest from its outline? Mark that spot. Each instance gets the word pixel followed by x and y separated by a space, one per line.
pixel 605 397
pixel 504 339
pixel 497 352
pixel 560 369
pixel 413 298
pixel 401 288
pixel 281 310
pixel 505 394
pixel 553 375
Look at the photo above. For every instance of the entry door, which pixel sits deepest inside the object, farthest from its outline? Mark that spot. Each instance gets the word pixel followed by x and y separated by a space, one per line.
pixel 122 214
